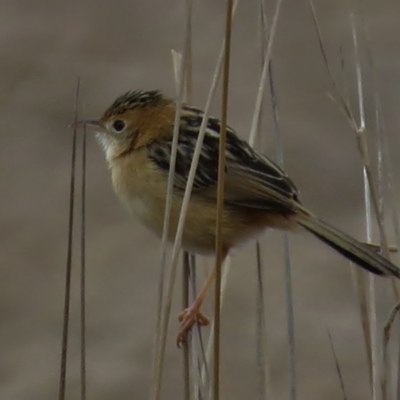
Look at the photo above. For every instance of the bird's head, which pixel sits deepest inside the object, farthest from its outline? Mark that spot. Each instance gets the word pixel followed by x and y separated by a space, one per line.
pixel 135 119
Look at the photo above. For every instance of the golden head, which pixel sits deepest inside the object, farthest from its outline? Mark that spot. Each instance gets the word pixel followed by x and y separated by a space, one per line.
pixel 133 120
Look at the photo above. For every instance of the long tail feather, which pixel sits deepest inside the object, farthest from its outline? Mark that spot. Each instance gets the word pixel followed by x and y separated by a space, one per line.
pixel 349 247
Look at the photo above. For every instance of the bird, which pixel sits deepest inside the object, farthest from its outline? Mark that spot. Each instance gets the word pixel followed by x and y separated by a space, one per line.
pixel 136 133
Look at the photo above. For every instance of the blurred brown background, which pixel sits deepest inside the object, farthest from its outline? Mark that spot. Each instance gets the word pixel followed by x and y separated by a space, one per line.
pixel 118 46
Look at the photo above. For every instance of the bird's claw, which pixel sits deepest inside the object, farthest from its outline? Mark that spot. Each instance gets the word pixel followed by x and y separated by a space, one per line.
pixel 188 318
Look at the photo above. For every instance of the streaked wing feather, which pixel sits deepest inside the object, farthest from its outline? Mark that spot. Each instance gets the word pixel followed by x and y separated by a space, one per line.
pixel 252 180
pixel 242 190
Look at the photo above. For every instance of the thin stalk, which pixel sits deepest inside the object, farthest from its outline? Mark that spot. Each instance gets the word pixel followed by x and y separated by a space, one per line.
pixel 176 59
pixel 265 391
pixel 344 106
pixel 262 364
pixel 160 337
pixel 83 269
pixel 210 344
pixel 290 317
pixel 387 331
pixel 390 182
pixel 371 299
pixel 188 347
pixel 341 100
pixel 391 189
pixel 197 353
pixel 68 269
pixel 199 359
pixel 375 198
pixel 263 79
pixel 220 251
pixel 185 304
pixel 337 366
pixel 286 250
pixel 188 63
pixel 395 219
pixel 384 182
pixel 179 232
pixel 368 216
pixel 359 278
pixel 383 158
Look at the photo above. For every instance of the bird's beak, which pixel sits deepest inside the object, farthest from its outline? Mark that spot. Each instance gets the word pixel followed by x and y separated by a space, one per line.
pixel 88 122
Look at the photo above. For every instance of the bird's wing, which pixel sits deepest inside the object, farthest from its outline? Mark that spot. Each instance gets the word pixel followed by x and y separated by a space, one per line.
pixel 252 180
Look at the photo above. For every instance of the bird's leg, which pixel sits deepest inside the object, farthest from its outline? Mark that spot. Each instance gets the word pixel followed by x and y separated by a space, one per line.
pixel 192 315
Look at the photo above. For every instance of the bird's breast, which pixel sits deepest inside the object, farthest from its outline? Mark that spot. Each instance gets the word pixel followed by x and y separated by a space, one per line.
pixel 141 188
pixel 144 206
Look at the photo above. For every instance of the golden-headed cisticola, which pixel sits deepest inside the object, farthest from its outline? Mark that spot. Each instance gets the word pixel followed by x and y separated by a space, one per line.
pixel 136 134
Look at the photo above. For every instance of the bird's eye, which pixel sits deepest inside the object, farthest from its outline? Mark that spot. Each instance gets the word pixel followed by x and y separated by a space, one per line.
pixel 118 125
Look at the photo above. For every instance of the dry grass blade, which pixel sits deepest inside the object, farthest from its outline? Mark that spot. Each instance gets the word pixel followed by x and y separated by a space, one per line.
pixel 262 352
pixel 264 386
pixel 384 170
pixel 360 87
pixel 199 358
pixel 176 63
pixel 397 392
pixel 210 344
pixel 359 278
pixel 385 376
pixel 368 193
pixel 290 317
pixel 220 198
pixel 371 299
pixel 378 247
pixel 384 173
pixel 188 345
pixel 204 375
pixel 341 101
pixel 378 201
pixel 187 65
pixel 67 295
pixel 363 147
pixel 263 78
pixel 161 328
pixel 286 250
pixel 185 304
pixel 387 330
pixel 188 61
pixel 390 186
pixel 196 343
pixel 266 41
pixel 83 269
pixel 179 232
pixel 267 67
pixel 337 366
pixel 390 183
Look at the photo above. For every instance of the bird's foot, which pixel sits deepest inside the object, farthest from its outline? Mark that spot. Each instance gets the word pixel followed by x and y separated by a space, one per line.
pixel 188 318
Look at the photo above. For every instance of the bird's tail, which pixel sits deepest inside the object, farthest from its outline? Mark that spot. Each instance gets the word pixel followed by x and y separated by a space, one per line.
pixel 357 252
